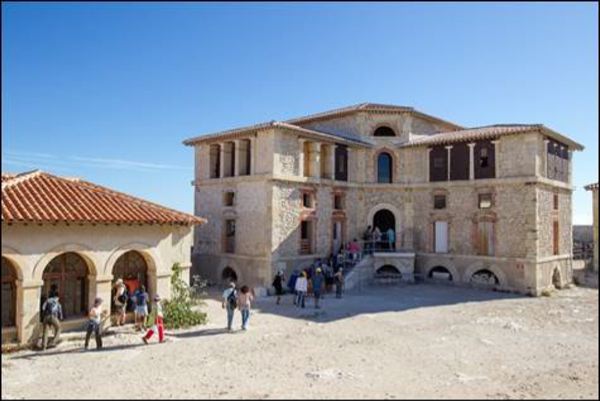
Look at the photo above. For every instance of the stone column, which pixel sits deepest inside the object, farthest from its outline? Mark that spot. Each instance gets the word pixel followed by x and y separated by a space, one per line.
pixel 471 160
pixel 449 148
pixel 237 153
pixel 222 160
pixel 351 155
pixel 428 164
pixel 545 158
pixel 496 157
pixel 30 329
pixel 332 161
pixel 252 155
pixel 301 142
pixel 315 159
pixel 103 290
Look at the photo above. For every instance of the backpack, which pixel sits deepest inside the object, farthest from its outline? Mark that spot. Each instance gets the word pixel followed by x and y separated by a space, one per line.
pixel 141 299
pixel 232 299
pixel 123 298
pixel 51 308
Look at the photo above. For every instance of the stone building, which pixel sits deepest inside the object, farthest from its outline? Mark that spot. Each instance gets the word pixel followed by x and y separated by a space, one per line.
pixel 487 205
pixel 594 189
pixel 81 237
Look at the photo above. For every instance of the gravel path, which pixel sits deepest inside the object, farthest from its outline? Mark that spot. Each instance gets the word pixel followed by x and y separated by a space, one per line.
pixel 413 341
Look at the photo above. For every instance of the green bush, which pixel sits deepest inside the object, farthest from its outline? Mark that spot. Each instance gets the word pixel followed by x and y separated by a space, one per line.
pixel 178 311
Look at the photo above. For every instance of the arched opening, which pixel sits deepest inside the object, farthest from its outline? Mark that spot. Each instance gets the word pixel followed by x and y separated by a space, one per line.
pixel 384 168
pixel 388 271
pixel 384 131
pixel 68 274
pixel 132 268
pixel 385 221
pixel 229 275
pixel 9 293
pixel 440 273
pixel 556 279
pixel 484 277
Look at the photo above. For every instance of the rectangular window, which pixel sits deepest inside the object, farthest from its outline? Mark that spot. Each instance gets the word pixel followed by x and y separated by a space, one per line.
pixel 555 238
pixel 555 202
pixel 439 202
pixel 307 200
pixel 229 236
pixel 485 237
pixel 440 236
pixel 228 198
pixel 341 163
pixel 338 202
pixel 485 201
pixel 306 228
pixel 484 163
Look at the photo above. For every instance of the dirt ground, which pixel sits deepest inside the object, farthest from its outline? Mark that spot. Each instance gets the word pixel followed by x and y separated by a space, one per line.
pixel 412 341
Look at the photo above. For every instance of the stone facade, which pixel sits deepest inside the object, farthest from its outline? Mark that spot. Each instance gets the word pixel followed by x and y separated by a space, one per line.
pixel 594 189
pixel 520 219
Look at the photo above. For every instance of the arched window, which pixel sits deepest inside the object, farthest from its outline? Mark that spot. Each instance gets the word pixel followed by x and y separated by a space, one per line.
pixel 68 274
pixel 384 131
pixel 384 168
pixel 9 293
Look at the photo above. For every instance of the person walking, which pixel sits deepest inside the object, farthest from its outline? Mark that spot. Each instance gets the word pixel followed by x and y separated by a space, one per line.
pixel 301 289
pixel 339 282
pixel 94 323
pixel 230 301
pixel 292 283
pixel 52 314
pixel 245 303
pixel 141 298
pixel 156 317
pixel 317 285
pixel 391 237
pixel 120 301
pixel 278 285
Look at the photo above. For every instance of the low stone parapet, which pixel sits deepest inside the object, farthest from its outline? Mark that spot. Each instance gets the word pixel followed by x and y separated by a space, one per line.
pixel 403 262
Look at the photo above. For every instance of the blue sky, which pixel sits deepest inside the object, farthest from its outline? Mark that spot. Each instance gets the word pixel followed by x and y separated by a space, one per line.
pixel 108 91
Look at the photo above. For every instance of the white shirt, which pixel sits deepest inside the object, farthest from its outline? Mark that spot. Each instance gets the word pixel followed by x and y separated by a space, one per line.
pixel 227 292
pixel 301 284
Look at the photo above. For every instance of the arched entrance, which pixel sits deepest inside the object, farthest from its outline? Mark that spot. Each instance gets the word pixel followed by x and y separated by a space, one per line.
pixel 133 269
pixel 556 278
pixel 384 220
pixel 440 273
pixel 68 274
pixel 485 278
pixel 229 275
pixel 9 293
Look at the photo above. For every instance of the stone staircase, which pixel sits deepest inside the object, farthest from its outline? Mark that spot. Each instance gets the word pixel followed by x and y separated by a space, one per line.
pixel 360 275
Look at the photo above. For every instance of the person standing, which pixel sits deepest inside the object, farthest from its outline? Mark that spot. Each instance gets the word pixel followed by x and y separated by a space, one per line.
pixel 156 317
pixel 376 238
pixel 245 303
pixel 391 237
pixel 301 289
pixel 292 283
pixel 339 282
pixel 317 285
pixel 278 285
pixel 120 301
pixel 141 307
pixel 51 316
pixel 230 300
pixel 94 323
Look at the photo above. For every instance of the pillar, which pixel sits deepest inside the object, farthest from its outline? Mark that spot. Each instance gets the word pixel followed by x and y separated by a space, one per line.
pixel 252 155
pixel 302 157
pixel 496 157
pixel 222 160
pixel 315 159
pixel 471 160
pixel 103 290
pixel 29 319
pixel 428 164
pixel 448 148
pixel 237 153
pixel 332 161
pixel 545 159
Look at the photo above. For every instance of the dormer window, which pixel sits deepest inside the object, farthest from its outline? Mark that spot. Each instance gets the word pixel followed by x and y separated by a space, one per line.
pixel 384 131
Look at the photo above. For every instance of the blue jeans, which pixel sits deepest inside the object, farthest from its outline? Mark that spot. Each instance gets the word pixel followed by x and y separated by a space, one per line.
pixel 300 298
pixel 229 317
pixel 245 317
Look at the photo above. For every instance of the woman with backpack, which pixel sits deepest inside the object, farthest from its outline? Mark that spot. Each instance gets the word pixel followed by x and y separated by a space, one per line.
pixel 120 301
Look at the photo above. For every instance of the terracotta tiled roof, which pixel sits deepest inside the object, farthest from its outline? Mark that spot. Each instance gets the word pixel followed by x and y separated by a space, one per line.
pixel 7 176
pixel 41 197
pixel 488 132
pixel 591 186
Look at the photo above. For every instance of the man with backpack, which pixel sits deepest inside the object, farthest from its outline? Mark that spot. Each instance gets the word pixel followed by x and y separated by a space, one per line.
pixel 230 302
pixel 51 316
pixel 120 301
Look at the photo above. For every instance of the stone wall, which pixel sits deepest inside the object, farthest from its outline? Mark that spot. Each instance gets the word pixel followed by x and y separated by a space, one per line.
pixel 517 155
pixel 546 215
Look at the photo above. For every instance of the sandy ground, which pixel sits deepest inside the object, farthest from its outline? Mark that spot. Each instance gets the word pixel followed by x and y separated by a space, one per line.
pixel 414 341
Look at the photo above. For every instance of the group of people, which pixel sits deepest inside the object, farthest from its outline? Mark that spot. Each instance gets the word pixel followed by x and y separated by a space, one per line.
pixel 242 300
pixel 375 240
pixel 52 313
